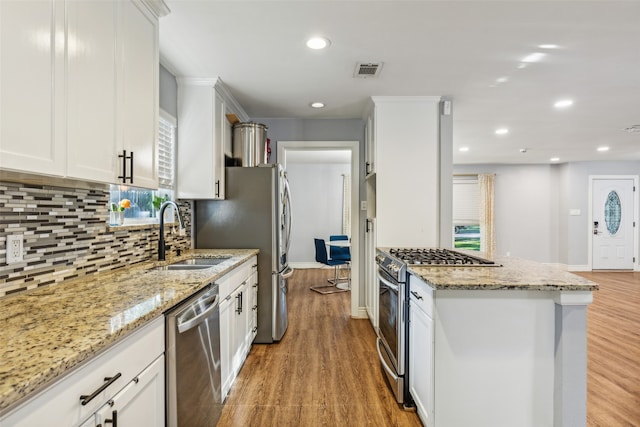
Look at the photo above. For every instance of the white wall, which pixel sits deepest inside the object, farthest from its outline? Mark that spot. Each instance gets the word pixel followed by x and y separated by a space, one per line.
pixel 316 200
pixel 532 204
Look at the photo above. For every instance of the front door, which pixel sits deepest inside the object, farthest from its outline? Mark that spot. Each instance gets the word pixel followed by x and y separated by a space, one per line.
pixel 612 227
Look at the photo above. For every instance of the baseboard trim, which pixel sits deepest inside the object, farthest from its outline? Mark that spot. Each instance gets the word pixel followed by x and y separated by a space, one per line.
pixel 578 268
pixel 305 265
pixel 361 313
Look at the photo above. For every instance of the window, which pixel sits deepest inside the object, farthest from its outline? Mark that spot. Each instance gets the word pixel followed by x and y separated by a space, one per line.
pixel 466 213
pixel 145 203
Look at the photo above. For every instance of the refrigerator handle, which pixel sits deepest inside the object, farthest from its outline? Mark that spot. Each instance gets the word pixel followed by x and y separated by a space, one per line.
pixel 287 206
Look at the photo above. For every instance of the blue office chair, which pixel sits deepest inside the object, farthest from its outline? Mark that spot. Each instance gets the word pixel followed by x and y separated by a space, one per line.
pixel 321 257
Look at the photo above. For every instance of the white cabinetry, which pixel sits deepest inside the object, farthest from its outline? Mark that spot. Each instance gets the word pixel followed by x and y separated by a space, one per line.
pixel 79 89
pixel 205 136
pixel 421 350
pixel 140 403
pixel 236 330
pixel 133 370
pixel 31 137
pixel 371 281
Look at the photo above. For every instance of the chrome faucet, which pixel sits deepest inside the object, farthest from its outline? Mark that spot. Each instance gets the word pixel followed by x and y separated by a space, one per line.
pixel 161 239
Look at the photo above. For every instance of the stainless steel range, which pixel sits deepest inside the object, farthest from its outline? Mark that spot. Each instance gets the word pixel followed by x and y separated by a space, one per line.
pixel 393 305
pixel 437 257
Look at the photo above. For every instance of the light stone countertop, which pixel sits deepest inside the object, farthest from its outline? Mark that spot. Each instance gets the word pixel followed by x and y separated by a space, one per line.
pixel 47 331
pixel 514 274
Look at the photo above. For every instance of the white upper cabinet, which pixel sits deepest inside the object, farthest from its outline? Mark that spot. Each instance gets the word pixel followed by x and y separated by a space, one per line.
pixel 138 74
pixel 91 90
pixel 88 108
pixel 31 72
pixel 204 134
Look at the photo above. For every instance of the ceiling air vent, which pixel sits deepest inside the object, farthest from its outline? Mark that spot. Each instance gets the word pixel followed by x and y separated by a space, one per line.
pixel 633 129
pixel 367 69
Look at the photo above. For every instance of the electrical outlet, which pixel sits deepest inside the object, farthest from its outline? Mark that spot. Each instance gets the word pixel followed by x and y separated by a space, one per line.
pixel 363 205
pixel 14 248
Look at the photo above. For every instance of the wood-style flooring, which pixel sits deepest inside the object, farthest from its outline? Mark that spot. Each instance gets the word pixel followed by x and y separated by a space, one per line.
pixel 324 372
pixel 613 351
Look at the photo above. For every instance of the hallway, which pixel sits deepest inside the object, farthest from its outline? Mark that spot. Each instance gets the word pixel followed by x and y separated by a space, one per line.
pixel 324 372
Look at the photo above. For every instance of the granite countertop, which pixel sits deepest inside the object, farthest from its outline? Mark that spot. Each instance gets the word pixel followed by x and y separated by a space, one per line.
pixel 47 331
pixel 513 274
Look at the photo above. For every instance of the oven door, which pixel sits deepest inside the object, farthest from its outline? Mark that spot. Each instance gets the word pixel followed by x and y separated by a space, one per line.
pixel 391 336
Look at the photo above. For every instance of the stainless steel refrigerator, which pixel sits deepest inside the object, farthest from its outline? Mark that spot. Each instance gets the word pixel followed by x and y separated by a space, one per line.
pixel 255 214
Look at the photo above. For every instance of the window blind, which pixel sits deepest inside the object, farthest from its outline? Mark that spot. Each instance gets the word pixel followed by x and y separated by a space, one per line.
pixel 466 201
pixel 166 150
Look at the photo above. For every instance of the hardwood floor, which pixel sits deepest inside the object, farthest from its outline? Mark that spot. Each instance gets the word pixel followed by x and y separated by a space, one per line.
pixel 613 370
pixel 324 372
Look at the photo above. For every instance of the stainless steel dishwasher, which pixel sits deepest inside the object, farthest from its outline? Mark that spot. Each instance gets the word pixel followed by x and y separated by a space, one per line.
pixel 193 361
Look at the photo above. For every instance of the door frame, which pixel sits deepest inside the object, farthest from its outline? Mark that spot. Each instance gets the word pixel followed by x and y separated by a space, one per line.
pixel 354 147
pixel 636 264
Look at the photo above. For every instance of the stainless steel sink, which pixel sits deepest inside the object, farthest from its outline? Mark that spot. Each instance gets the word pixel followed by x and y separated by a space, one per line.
pixel 193 264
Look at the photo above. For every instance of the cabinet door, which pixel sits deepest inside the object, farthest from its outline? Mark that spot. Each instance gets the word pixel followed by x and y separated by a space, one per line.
pixel 371 281
pixel 227 331
pixel 138 74
pixel 140 402
pixel 221 138
pixel 91 91
pixel 253 291
pixel 32 87
pixel 370 146
pixel 421 362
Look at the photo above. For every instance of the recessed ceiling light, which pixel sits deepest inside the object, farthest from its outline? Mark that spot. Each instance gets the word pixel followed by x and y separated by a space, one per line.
pixel 317 105
pixel 603 149
pixel 502 131
pixel 502 79
pixel 318 43
pixel 534 57
pixel 563 103
pixel 555 159
pixel 464 149
pixel 548 46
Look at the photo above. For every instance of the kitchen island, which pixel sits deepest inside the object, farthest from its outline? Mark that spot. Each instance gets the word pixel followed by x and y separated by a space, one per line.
pixel 46 333
pixel 499 346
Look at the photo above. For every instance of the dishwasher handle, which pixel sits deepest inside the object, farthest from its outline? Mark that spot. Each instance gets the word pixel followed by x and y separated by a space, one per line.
pixel 185 325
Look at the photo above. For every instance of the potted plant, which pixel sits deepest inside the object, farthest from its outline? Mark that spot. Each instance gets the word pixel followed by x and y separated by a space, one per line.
pixel 158 201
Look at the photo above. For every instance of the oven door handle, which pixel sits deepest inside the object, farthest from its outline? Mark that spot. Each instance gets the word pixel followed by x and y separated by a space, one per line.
pixel 384 364
pixel 388 283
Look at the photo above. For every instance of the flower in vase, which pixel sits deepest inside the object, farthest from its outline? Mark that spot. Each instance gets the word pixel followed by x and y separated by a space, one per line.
pixel 120 207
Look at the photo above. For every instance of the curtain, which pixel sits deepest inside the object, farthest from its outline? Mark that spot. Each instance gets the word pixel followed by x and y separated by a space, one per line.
pixel 487 232
pixel 346 204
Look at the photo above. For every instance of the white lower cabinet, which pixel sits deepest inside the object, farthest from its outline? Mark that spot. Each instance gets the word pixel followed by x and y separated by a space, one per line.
pixel 140 403
pixel 236 325
pixel 79 398
pixel 421 349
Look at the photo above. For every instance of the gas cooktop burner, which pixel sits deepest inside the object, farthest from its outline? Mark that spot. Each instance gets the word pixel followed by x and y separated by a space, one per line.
pixel 422 256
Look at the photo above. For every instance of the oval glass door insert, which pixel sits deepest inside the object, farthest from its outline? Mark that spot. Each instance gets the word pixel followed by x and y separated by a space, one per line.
pixel 612 212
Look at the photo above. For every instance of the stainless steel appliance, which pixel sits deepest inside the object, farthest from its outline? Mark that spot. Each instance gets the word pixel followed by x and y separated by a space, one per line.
pixel 255 214
pixel 249 144
pixel 194 396
pixel 393 305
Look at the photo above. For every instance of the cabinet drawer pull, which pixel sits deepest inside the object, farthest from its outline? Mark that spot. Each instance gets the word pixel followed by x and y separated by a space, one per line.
pixel 415 294
pixel 255 328
pixel 84 399
pixel 113 420
pixel 218 188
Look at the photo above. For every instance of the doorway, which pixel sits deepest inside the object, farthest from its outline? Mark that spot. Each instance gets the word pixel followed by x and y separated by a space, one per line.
pixel 292 150
pixel 613 215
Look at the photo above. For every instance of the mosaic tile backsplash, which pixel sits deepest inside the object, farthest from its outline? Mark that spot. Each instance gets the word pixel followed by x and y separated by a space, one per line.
pixel 66 235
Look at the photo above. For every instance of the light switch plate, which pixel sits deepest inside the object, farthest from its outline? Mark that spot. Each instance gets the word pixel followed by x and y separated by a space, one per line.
pixel 574 212
pixel 14 248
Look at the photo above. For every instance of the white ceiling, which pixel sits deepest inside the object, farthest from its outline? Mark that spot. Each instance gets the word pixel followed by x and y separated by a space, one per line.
pixel 451 48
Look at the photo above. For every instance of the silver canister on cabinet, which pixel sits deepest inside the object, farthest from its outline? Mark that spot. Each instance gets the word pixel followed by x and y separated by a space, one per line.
pixel 249 144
